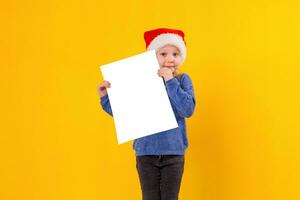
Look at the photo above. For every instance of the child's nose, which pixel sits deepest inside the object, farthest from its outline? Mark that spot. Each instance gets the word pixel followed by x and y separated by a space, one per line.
pixel 170 59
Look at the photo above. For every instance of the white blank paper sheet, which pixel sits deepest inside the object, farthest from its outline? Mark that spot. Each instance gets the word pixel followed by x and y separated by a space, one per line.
pixel 138 97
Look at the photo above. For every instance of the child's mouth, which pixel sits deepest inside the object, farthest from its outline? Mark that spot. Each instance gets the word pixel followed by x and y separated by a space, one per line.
pixel 169 66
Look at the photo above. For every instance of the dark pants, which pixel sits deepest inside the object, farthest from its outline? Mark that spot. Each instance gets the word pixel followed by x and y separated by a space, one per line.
pixel 160 176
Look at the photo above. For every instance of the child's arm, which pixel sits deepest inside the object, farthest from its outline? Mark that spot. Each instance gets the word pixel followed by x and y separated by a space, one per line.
pixel 104 97
pixel 106 104
pixel 182 95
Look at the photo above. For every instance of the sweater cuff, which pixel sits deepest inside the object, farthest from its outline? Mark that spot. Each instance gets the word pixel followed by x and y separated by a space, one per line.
pixel 104 98
pixel 172 86
pixel 172 82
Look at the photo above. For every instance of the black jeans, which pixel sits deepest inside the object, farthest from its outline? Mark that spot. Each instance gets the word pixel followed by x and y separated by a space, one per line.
pixel 160 176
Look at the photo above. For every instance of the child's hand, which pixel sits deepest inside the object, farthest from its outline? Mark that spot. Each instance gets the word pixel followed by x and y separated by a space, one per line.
pixel 102 88
pixel 166 73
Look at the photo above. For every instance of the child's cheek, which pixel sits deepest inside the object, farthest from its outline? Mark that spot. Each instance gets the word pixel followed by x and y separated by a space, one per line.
pixel 160 63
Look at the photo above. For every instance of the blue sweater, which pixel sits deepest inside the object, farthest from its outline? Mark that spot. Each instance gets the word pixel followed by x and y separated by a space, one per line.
pixel 171 142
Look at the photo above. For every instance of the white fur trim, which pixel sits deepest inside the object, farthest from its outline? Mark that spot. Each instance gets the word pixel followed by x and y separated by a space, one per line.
pixel 168 38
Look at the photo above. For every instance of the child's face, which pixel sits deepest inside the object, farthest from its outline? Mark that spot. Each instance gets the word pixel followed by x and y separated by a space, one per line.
pixel 169 56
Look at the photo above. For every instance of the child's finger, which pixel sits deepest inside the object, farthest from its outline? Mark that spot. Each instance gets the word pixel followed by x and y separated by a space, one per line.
pixel 107 83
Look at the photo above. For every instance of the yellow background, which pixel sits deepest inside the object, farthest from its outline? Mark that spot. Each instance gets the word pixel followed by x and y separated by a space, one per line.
pixel 57 143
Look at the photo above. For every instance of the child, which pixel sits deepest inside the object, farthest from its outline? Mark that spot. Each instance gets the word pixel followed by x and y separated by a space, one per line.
pixel 160 157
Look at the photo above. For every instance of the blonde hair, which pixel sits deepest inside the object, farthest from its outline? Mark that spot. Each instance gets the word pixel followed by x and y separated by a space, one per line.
pixel 177 73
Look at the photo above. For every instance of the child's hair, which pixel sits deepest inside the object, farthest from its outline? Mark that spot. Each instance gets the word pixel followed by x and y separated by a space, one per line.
pixel 177 73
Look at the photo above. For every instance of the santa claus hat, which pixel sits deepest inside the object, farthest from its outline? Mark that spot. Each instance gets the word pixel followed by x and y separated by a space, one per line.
pixel 158 38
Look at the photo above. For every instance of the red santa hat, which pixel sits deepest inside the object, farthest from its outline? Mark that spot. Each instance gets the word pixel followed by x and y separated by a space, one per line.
pixel 158 38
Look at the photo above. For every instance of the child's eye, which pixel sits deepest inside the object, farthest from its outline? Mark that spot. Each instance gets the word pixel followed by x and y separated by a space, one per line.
pixel 175 54
pixel 163 54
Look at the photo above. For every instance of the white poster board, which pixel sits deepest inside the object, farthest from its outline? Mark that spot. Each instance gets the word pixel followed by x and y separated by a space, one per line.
pixel 138 97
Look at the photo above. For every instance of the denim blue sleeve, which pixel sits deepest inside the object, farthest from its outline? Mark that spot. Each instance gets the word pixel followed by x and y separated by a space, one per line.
pixel 181 94
pixel 106 104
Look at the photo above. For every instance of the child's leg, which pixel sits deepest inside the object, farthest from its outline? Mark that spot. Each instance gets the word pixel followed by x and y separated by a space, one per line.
pixel 171 175
pixel 149 175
